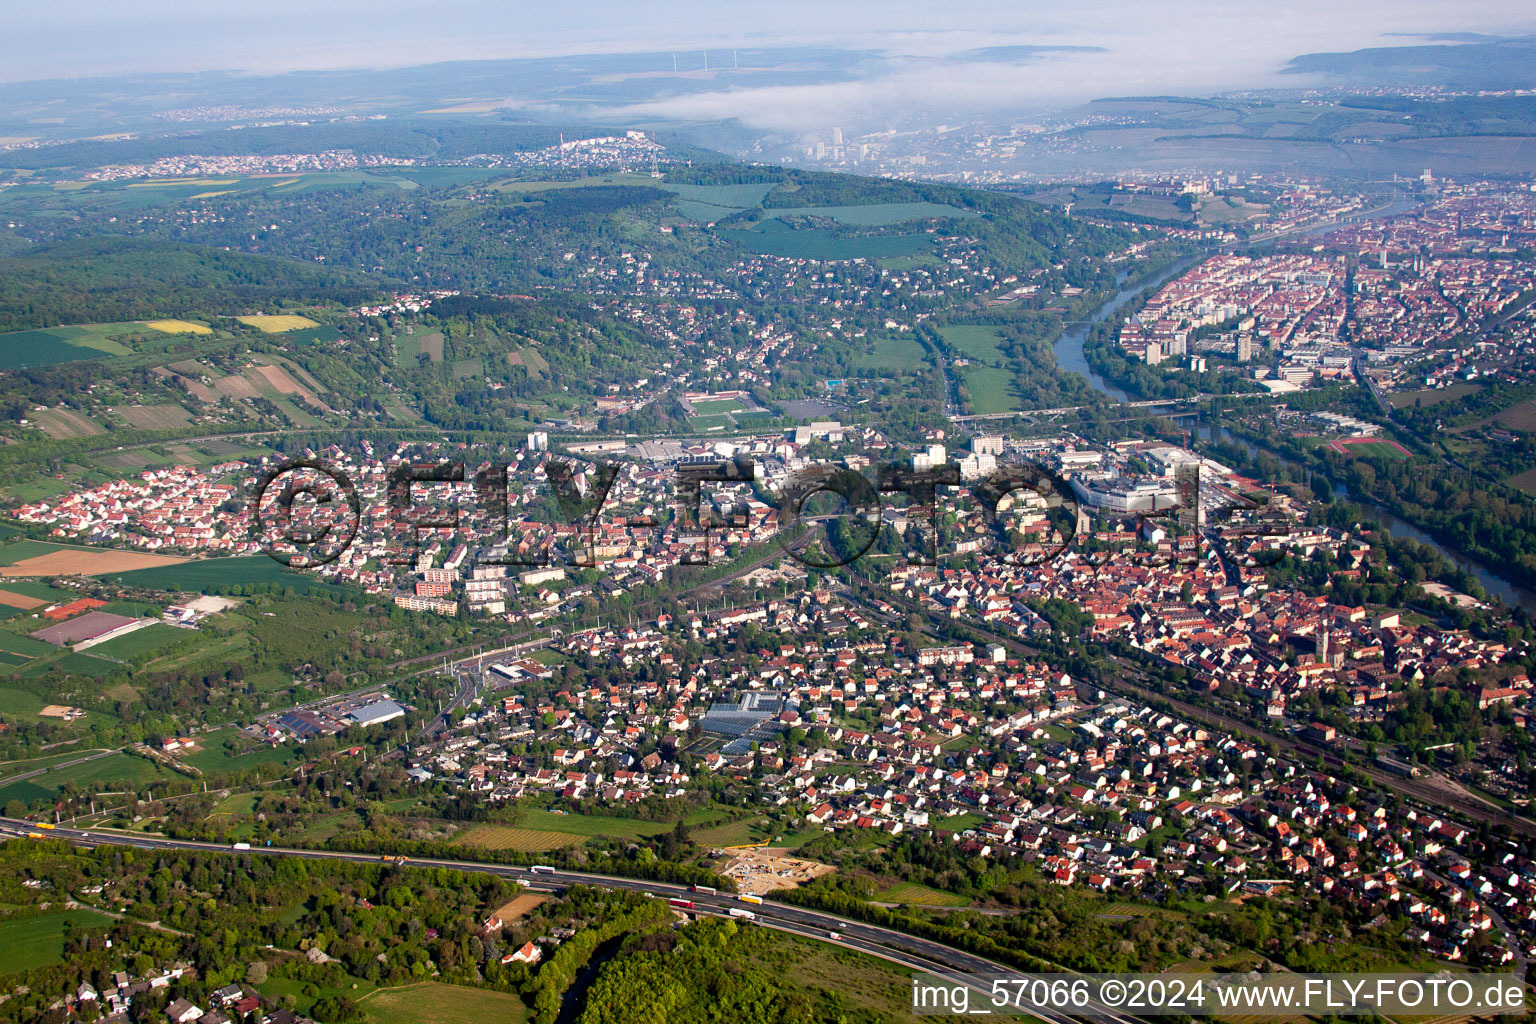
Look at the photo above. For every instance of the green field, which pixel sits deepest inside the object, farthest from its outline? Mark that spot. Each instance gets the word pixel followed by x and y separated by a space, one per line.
pixel 921 895
pixel 876 214
pixel 26 646
pixel 73 662
pixel 20 703
pixel 214 757
pixel 710 422
pixel 23 349
pixel 973 341
pixel 110 773
pixel 20 550
pixel 142 641
pixel 203 574
pixel 817 244
pixel 716 406
pixel 894 352
pixel 27 943
pixel 436 1003
pixel 991 389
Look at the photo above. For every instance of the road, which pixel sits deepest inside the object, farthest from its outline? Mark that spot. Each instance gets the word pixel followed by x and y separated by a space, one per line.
pixel 893 946
pixel 54 767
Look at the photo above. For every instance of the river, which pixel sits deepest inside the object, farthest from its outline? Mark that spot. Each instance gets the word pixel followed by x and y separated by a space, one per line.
pixel 1069 347
pixel 1493 584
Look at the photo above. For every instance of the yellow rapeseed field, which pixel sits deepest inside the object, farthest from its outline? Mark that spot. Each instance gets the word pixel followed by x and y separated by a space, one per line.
pixel 178 327
pixel 278 323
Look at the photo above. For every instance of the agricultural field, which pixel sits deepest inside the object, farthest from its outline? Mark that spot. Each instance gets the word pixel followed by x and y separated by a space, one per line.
pixel 436 1003
pixel 1524 481
pixel 208 574
pixel 277 323
pixel 62 560
pixel 178 327
pixel 876 214
pixel 142 642
pixel 774 238
pixel 544 185
pixel 527 840
pixel 592 825
pixel 155 417
pixel 47 346
pixel 921 895
pixel 1434 396
pixel 27 943
pixel 20 601
pixel 432 345
pixel 113 773
pixel 1520 416
pixel 62 423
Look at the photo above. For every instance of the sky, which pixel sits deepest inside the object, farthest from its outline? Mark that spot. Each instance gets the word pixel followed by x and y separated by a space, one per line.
pixel 1145 46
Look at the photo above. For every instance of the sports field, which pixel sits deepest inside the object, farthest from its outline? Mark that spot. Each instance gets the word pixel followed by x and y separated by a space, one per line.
pixel 1370 446
pixel 528 840
pixel 277 323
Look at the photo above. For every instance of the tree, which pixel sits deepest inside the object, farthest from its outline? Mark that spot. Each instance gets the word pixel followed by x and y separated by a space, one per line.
pixel 256 972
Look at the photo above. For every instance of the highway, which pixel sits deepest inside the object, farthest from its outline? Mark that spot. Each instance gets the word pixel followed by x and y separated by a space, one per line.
pixel 896 947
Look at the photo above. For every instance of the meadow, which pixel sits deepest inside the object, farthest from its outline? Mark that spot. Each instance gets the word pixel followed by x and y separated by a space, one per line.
pixel 436 1003
pixel 818 244
pixel 973 341
pixel 991 389
pixel 27 943
pixel 894 352
pixel 877 214
pixel 214 757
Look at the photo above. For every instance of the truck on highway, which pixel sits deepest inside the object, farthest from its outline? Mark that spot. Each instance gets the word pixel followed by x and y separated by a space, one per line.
pixel 745 915
pixel 542 869
pixel 44 824
pixel 707 889
pixel 748 897
pixel 681 904
pixel 241 846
